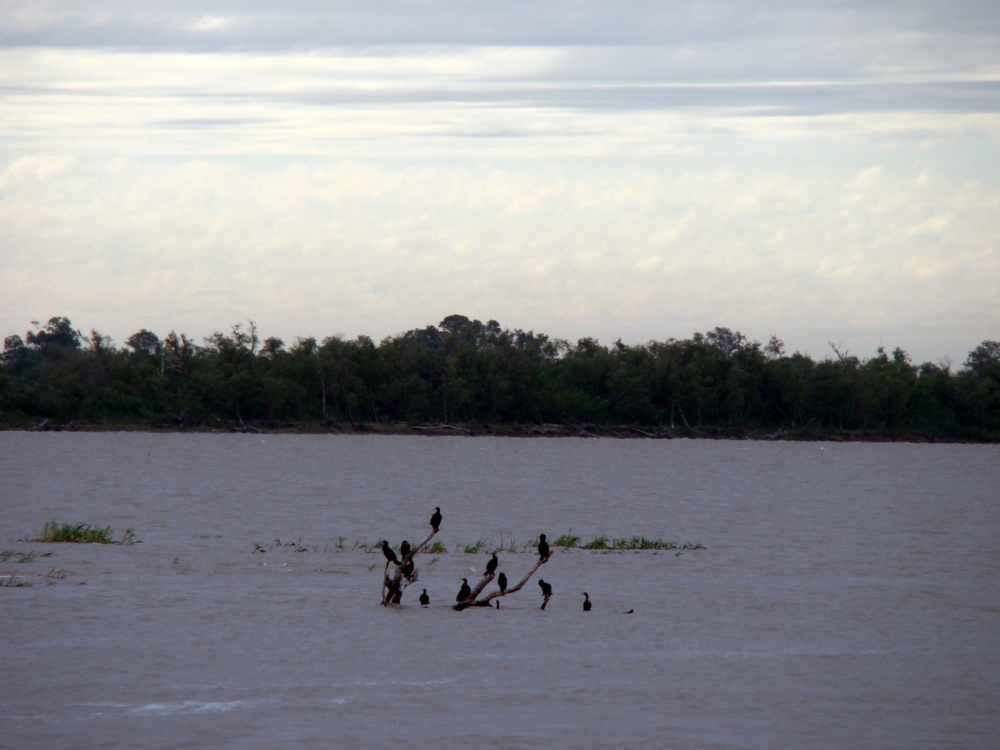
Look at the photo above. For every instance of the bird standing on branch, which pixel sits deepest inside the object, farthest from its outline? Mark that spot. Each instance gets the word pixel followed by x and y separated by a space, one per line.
pixel 543 547
pixel 463 593
pixel 408 569
pixel 502 583
pixel 491 566
pixel 546 591
pixel 389 554
pixel 436 519
pixel 404 549
pixel 586 602
pixel 424 599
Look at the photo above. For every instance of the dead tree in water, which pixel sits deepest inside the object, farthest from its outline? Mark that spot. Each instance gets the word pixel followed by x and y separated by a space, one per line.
pixel 392 588
pixel 471 601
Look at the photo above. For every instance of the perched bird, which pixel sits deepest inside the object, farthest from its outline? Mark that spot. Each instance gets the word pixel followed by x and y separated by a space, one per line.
pixel 463 593
pixel 404 549
pixel 389 554
pixel 586 602
pixel 543 547
pixel 491 566
pixel 408 569
pixel 424 599
pixel 502 583
pixel 436 519
pixel 546 588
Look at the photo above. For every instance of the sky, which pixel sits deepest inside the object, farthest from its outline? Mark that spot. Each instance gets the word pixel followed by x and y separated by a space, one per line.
pixel 820 171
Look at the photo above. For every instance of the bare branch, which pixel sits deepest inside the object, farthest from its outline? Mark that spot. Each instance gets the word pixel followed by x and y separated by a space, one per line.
pixel 470 601
pixel 393 592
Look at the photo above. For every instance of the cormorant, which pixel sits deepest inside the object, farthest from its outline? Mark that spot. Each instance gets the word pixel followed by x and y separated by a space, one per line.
pixel 404 549
pixel 424 599
pixel 463 593
pixel 436 519
pixel 389 554
pixel 408 569
pixel 586 602
pixel 491 566
pixel 502 583
pixel 543 547
pixel 546 588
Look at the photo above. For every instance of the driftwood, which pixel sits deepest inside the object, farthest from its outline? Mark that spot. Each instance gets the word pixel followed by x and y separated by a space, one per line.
pixel 471 601
pixel 392 589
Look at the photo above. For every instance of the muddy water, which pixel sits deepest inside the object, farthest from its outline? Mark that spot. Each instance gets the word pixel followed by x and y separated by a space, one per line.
pixel 849 595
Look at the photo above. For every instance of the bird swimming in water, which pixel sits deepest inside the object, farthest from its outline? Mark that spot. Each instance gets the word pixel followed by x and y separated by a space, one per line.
pixel 586 602
pixel 389 554
pixel 424 599
pixel 491 566
pixel 543 547
pixel 404 549
pixel 408 569
pixel 502 583
pixel 546 588
pixel 463 593
pixel 436 519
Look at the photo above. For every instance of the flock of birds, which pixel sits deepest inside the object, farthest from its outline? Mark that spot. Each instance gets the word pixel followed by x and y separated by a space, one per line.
pixel 466 591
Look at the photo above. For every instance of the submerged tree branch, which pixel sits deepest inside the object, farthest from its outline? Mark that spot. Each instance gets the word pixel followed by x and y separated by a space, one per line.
pixel 393 591
pixel 471 601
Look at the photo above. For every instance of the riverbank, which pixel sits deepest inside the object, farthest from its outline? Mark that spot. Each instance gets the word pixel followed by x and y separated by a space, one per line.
pixel 439 429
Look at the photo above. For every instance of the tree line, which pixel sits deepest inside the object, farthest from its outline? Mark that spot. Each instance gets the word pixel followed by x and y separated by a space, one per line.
pixel 474 373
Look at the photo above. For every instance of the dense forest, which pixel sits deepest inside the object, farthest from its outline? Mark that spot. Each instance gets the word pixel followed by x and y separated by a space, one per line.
pixel 489 379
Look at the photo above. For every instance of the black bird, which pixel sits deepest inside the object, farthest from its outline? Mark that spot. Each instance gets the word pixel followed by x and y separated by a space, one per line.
pixel 546 588
pixel 586 602
pixel 491 566
pixel 424 599
pixel 502 583
pixel 404 549
pixel 463 593
pixel 408 569
pixel 389 554
pixel 543 547
pixel 436 519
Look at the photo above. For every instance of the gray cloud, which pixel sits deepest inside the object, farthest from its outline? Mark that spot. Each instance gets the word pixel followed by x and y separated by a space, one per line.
pixel 305 23
pixel 819 170
pixel 801 58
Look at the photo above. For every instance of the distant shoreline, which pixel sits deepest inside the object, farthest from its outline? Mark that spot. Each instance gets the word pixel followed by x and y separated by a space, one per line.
pixel 622 432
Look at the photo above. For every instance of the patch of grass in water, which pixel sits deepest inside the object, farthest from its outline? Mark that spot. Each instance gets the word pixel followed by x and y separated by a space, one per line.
pixel 82 533
pixel 567 540
pixel 437 548
pixel 641 542
pixel 600 542
pixel 475 548
pixel 22 557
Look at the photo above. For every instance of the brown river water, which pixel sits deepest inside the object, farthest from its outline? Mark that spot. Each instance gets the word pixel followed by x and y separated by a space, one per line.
pixel 848 595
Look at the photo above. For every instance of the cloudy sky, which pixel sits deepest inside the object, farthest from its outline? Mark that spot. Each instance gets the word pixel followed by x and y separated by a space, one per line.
pixel 816 170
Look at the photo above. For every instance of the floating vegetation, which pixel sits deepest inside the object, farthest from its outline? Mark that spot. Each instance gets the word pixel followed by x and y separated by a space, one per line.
pixel 475 548
pixel 569 541
pixel 600 542
pixel 21 557
pixel 83 533
pixel 12 582
pixel 566 540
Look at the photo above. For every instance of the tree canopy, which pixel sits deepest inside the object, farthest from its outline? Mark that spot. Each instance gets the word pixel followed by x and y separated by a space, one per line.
pixel 470 372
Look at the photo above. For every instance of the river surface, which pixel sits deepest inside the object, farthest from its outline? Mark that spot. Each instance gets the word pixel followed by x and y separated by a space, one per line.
pixel 848 595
